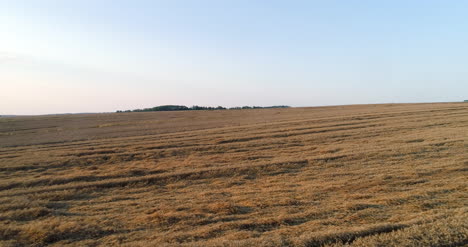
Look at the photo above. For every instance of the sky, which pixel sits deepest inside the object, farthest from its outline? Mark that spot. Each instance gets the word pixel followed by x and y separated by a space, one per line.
pixel 64 56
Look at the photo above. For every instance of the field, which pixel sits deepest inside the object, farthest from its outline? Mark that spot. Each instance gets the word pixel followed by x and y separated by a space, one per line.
pixel 360 175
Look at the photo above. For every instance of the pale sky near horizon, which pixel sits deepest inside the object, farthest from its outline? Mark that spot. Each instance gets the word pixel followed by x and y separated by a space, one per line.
pixel 102 55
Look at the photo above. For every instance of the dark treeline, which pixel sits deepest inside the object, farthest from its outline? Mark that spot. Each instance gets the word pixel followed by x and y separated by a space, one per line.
pixel 198 108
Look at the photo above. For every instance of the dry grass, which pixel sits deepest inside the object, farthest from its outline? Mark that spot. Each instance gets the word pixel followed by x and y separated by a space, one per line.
pixel 364 175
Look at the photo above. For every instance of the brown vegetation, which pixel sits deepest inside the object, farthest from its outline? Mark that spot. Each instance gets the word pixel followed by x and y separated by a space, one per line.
pixel 363 175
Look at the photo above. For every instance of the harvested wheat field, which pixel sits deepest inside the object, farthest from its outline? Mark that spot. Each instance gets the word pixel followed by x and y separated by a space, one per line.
pixel 362 175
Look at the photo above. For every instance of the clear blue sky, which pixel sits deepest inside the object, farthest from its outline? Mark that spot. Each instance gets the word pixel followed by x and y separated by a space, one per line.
pixel 102 55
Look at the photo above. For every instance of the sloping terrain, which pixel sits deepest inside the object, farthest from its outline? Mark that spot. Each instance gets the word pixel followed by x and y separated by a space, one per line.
pixel 363 175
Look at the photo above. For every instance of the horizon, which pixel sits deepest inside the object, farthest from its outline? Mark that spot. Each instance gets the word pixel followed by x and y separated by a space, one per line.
pixel 65 57
pixel 227 108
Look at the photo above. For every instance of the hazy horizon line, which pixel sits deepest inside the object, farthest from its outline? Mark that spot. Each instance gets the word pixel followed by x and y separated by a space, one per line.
pixel 290 106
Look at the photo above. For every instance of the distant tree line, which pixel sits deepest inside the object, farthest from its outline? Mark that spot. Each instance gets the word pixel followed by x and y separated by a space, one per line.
pixel 198 108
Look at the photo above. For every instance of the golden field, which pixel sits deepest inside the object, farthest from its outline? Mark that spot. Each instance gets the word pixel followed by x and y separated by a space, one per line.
pixel 360 175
